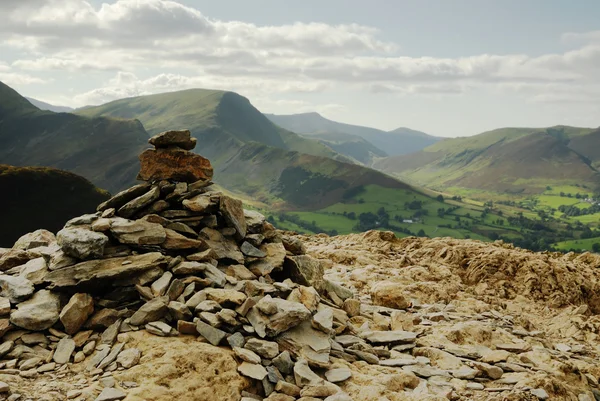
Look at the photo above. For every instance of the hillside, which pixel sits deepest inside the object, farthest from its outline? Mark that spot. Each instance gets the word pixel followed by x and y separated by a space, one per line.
pixel 397 142
pixel 222 121
pixel 103 150
pixel 251 155
pixel 350 145
pixel 40 197
pixel 50 107
pixel 511 160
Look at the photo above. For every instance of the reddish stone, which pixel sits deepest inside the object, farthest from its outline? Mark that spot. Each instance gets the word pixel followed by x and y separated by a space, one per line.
pixel 174 164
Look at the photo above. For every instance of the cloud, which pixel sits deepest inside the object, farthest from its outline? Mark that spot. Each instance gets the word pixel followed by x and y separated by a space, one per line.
pixel 146 37
pixel 126 84
pixel 18 79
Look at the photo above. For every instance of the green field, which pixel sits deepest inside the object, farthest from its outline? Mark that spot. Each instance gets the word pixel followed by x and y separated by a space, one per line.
pixel 578 244
pixel 464 221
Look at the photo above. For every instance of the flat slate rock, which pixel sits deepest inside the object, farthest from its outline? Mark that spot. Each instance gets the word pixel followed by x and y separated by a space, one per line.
pixel 182 139
pixel 104 271
pixel 389 337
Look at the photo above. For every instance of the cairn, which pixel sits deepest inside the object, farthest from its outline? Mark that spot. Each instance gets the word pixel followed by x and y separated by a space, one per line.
pixel 175 257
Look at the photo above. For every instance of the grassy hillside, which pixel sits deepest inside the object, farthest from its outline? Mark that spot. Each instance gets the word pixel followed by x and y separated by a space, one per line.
pixel 508 160
pixel 350 145
pixel 396 142
pixel 103 150
pixel 216 118
pixel 40 197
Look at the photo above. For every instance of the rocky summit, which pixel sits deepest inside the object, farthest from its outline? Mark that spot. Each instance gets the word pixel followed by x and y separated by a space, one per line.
pixel 172 291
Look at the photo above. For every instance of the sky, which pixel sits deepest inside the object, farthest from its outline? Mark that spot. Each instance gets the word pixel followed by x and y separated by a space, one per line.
pixel 445 67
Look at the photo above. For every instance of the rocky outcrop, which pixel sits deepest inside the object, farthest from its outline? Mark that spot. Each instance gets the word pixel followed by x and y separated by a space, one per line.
pixel 191 297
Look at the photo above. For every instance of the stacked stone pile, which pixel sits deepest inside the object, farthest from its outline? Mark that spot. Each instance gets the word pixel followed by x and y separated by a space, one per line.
pixel 172 256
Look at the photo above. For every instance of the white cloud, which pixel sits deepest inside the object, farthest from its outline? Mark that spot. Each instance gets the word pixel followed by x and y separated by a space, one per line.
pixel 143 37
pixel 18 79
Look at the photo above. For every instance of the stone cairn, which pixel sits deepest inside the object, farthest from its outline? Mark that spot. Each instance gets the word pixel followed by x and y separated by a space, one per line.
pixel 172 256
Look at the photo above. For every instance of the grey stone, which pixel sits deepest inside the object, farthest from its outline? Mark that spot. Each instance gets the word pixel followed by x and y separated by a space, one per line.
pixel 138 232
pixel 64 350
pixel 38 313
pixel 111 394
pixel 540 393
pixel 266 349
pixel 236 340
pixel 137 204
pixel 35 270
pixel 254 371
pixel 338 375
pixel 81 243
pixel 179 311
pixel 112 356
pixel 110 334
pixel 123 197
pixel 323 320
pixel 389 337
pixel 34 239
pixel 289 314
pixel 15 288
pixel 233 212
pixel 190 268
pixel 151 311
pixel 249 250
pixel 284 363
pixel 159 328
pixel 246 355
pixel 129 358
pixel 213 335
pixel 94 273
pixel 160 286
pixel 181 139
pixel 304 375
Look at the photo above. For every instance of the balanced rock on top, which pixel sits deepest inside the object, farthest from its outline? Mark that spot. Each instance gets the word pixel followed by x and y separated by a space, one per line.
pixel 171 159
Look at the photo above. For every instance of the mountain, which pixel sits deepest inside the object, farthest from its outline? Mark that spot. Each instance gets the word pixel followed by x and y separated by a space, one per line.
pixel 397 142
pixel 514 160
pixel 250 154
pixel 103 150
pixel 350 145
pixel 41 197
pixel 50 107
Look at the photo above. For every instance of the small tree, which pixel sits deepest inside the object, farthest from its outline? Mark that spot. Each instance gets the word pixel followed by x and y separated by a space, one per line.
pixel 440 198
pixel 596 247
pixel 421 233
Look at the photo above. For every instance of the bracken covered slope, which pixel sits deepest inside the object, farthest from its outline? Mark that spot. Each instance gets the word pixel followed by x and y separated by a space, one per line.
pixel 533 314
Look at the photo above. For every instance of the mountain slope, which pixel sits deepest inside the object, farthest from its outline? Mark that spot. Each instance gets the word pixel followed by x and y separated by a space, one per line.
pixel 350 145
pixel 516 160
pixel 216 118
pixel 50 107
pixel 397 142
pixel 103 150
pixel 40 197
pixel 250 154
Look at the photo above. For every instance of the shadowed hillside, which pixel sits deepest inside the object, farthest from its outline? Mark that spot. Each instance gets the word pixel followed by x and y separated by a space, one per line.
pixel 103 150
pixel 40 197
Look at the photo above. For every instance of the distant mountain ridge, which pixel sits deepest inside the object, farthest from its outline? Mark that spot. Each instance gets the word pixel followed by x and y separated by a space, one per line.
pixel 514 160
pixel 50 107
pixel 397 142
